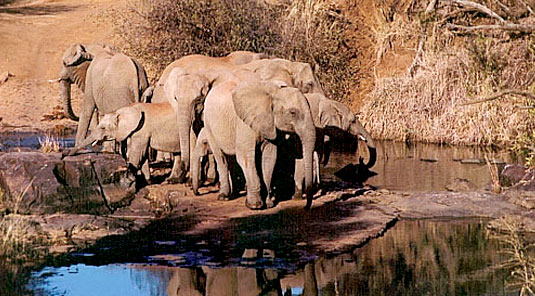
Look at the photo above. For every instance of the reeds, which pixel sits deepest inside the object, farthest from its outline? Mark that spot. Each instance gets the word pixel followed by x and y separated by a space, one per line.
pixel 49 144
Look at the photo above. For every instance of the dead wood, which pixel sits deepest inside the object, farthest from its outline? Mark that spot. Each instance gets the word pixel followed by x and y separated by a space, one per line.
pixel 501 94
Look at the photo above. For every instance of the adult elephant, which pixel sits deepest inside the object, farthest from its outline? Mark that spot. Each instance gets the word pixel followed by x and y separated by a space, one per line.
pixel 331 119
pixel 244 116
pixel 188 80
pixel 109 80
pixel 295 74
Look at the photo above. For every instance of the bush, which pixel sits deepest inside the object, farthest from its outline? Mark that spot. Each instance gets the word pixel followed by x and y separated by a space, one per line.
pixel 159 32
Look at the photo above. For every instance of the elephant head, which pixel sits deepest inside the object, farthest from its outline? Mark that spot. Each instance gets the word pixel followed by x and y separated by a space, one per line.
pixel 117 126
pixel 76 59
pixel 335 114
pixel 266 108
pixel 241 57
pixel 295 74
pixel 185 92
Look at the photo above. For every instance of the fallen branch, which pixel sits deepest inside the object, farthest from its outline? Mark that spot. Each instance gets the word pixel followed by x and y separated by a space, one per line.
pixel 478 7
pixel 501 94
pixel 524 28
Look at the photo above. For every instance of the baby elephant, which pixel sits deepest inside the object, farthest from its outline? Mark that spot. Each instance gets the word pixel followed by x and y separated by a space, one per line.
pixel 142 125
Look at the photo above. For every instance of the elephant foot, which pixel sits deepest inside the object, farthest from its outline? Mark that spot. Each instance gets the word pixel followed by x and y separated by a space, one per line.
pixel 257 205
pixel 174 180
pixel 270 202
pixel 195 192
pixel 222 196
pixel 298 195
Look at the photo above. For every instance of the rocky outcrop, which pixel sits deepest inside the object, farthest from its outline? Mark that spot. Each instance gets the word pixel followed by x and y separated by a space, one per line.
pixel 43 183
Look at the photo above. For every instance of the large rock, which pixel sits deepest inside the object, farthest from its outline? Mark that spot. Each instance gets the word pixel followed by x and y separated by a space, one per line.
pixel 39 183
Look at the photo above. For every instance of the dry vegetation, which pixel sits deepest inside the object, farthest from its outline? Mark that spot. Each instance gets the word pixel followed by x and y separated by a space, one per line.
pixel 314 31
pixel 464 53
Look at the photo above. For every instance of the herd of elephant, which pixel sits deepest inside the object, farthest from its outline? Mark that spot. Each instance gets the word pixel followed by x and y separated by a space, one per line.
pixel 245 104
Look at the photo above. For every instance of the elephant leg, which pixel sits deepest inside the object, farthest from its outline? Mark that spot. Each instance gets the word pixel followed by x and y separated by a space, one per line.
pixel 269 157
pixel 299 178
pixel 222 168
pixel 136 156
pixel 88 109
pixel 246 160
pixel 176 172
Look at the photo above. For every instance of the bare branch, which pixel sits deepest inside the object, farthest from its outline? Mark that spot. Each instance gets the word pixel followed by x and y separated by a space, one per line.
pixel 431 6
pixel 500 94
pixel 524 28
pixel 478 7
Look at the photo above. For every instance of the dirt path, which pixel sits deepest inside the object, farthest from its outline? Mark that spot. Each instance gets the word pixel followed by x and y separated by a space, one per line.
pixel 33 36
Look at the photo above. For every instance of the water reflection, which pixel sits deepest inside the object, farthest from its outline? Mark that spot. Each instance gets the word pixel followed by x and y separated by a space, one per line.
pixel 412 258
pixel 420 167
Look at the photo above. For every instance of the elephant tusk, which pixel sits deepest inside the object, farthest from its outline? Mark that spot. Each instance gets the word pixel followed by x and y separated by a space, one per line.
pixel 361 137
pixel 94 143
pixel 54 80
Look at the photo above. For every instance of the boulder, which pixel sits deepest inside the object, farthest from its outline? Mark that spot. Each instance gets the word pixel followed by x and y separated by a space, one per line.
pixel 512 174
pixel 461 185
pixel 43 183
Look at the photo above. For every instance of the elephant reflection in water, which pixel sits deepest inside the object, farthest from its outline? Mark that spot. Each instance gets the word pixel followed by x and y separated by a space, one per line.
pixel 236 280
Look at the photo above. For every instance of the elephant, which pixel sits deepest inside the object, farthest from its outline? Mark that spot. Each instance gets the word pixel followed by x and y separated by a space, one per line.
pixel 141 125
pixel 331 117
pixel 109 79
pixel 295 74
pixel 247 118
pixel 191 77
pixel 202 149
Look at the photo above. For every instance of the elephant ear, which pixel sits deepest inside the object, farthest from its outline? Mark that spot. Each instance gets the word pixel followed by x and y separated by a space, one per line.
pixel 333 113
pixel 128 121
pixel 76 55
pixel 253 105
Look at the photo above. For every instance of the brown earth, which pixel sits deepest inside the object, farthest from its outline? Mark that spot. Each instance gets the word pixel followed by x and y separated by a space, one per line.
pixel 33 37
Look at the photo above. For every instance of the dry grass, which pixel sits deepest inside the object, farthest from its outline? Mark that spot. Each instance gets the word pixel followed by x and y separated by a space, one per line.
pixel 519 253
pixel 15 231
pixel 49 144
pixel 428 107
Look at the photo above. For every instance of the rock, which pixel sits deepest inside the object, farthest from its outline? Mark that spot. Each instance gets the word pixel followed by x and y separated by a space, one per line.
pixel 43 183
pixel 512 174
pixel 461 185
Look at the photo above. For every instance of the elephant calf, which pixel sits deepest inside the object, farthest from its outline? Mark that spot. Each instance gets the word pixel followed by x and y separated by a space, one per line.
pixel 141 125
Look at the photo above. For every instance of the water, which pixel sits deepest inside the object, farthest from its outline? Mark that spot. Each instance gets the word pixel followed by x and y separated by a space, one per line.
pixel 412 258
pixel 421 167
pixel 30 141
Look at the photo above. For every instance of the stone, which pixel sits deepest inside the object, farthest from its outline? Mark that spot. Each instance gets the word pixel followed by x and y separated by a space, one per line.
pixel 461 185
pixel 43 183
pixel 512 174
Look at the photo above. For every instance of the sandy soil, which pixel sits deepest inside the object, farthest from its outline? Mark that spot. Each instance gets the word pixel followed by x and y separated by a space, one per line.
pixel 33 36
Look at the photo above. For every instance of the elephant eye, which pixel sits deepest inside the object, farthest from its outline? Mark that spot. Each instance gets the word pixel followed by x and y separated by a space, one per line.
pixel 293 112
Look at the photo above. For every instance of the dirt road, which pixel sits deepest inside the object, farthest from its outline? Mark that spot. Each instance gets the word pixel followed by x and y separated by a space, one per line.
pixel 33 36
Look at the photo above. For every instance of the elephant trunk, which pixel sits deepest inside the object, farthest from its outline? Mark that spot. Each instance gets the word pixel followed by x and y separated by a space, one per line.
pixel 65 86
pixel 359 131
pixel 87 141
pixel 308 140
pixel 184 126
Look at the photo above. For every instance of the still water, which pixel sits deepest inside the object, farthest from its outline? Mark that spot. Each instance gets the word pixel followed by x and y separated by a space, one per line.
pixel 412 258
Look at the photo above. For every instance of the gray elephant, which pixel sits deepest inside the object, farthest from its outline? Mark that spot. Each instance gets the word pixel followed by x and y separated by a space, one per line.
pixel 141 125
pixel 109 80
pixel 331 117
pixel 295 74
pixel 191 77
pixel 244 116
